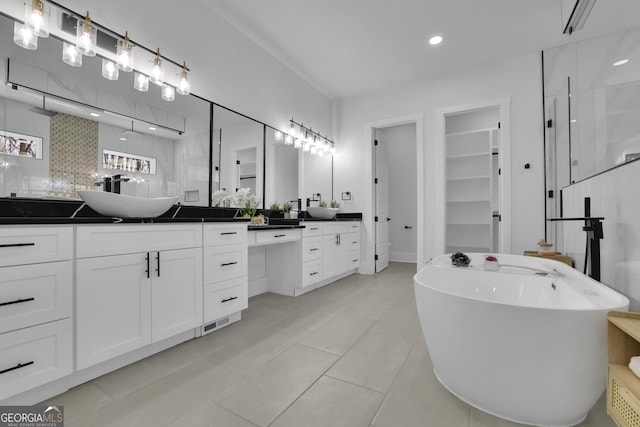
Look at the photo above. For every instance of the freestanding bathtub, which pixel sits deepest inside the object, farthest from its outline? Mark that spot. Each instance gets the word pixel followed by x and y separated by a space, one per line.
pixel 517 343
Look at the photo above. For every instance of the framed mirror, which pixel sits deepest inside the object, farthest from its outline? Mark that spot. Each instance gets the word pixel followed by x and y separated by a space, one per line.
pixel 282 175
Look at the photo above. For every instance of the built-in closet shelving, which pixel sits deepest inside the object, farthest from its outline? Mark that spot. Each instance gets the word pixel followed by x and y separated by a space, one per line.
pixel 471 188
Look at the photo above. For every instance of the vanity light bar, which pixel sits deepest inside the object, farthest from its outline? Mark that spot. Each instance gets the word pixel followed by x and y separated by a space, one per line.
pixel 83 36
pixel 308 140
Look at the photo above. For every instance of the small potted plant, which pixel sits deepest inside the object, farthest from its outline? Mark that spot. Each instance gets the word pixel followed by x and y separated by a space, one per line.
pixel 335 204
pixel 274 206
pixel 322 204
pixel 286 207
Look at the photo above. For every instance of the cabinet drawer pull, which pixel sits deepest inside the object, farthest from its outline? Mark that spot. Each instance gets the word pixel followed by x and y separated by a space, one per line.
pixel 18 301
pixel 158 259
pixel 355 260
pixel 228 299
pixel 280 235
pixel 314 228
pixel 15 245
pixel 148 268
pixel 226 233
pixel 314 273
pixel 355 242
pixel 18 366
pixel 224 264
pixel 314 249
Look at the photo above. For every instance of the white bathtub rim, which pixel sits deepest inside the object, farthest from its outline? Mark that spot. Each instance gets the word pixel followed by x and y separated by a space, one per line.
pixel 495 414
pixel 614 299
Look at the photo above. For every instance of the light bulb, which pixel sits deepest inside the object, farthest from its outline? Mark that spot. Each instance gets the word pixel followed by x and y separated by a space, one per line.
pixel 37 17
pixel 298 143
pixel 313 150
pixel 168 93
pixel 109 70
pixel 278 136
pixel 288 140
pixel 71 55
pixel 86 36
pixel 141 82
pixel 306 146
pixel 157 73
pixel 124 54
pixel 24 37
pixel 184 87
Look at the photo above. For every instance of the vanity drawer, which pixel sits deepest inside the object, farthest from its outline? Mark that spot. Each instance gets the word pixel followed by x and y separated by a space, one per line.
pixel 34 294
pixel 354 259
pixel 311 248
pixel 336 228
pixel 354 227
pixel 225 234
pixel 225 262
pixel 312 229
pixel 117 239
pixel 22 245
pixel 353 240
pixel 225 298
pixel 34 356
pixel 311 272
pixel 277 236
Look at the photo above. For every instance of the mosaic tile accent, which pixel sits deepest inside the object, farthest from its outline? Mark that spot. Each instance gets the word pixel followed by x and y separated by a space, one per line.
pixel 73 163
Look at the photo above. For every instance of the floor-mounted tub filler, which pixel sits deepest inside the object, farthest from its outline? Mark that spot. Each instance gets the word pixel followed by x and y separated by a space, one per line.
pixel 526 342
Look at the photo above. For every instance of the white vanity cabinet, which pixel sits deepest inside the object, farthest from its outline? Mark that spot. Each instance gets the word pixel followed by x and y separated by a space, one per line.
pixel 36 300
pixel 135 285
pixel 225 274
pixel 341 247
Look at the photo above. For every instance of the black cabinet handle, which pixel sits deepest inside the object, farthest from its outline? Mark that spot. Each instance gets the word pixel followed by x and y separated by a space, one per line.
pixel 314 273
pixel 314 228
pixel 355 242
pixel 226 233
pixel 406 227
pixel 228 299
pixel 147 270
pixel 15 245
pixel 18 366
pixel 158 259
pixel 228 263
pixel 280 235
pixel 314 249
pixel 18 301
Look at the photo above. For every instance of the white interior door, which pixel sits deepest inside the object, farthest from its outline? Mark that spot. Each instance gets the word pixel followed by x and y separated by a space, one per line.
pixel 381 183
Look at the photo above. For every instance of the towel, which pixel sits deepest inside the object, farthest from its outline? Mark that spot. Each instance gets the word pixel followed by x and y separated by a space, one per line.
pixel 634 365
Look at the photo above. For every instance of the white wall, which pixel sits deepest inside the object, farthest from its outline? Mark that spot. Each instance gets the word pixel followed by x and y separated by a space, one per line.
pixel 518 79
pixel 401 146
pixel 615 195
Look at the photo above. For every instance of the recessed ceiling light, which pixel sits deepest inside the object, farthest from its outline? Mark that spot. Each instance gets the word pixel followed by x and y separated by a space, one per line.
pixel 620 62
pixel 122 138
pixel 435 40
pixel 94 114
pixel 152 128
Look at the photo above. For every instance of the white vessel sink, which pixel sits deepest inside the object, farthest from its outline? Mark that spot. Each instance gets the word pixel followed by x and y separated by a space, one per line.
pixel 122 206
pixel 324 213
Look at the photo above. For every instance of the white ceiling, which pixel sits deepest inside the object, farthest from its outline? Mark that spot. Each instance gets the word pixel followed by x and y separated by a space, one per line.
pixel 351 47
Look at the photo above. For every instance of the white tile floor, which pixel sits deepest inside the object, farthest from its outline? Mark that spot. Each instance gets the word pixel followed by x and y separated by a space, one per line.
pixel 350 354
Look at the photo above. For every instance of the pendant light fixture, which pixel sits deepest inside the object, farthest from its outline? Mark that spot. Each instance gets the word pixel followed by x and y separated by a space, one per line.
pixel 24 37
pixel 141 82
pixel 86 36
pixel 288 139
pixel 37 17
pixel 124 54
pixel 109 70
pixel 71 55
pixel 184 87
pixel 157 73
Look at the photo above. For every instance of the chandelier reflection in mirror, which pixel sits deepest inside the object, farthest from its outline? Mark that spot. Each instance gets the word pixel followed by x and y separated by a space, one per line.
pixel 81 37
pixel 306 139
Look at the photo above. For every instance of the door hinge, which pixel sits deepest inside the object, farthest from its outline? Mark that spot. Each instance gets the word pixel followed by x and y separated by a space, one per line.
pixel 499 218
pixel 499 125
pixel 375 142
pixel 549 123
pixel 550 194
pixel 237 162
pixel 499 171
pixel 375 180
pixel 376 257
pixel 376 219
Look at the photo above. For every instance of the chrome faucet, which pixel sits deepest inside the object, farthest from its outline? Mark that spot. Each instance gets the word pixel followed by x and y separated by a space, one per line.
pixel 117 179
pixel 107 182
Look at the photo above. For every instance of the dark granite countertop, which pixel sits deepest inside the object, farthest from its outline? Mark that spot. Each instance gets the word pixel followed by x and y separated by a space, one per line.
pixel 19 210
